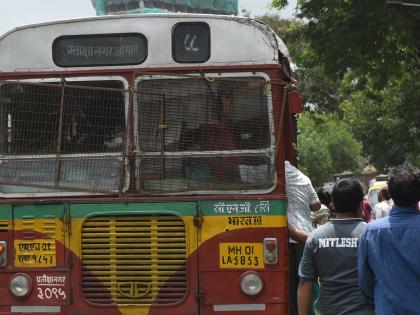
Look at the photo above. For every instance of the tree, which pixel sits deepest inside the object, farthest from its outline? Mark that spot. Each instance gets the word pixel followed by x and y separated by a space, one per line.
pixel 368 37
pixel 370 51
pixel 387 121
pixel 326 147
pixel 318 90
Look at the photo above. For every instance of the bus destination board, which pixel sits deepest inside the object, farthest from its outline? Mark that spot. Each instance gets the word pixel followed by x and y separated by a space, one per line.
pixel 100 50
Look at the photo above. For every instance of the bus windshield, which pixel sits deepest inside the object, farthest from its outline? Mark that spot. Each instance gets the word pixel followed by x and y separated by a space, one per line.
pixel 191 134
pixel 64 138
pixel 203 134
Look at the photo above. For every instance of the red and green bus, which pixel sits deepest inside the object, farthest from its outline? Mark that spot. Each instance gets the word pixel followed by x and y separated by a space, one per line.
pixel 142 166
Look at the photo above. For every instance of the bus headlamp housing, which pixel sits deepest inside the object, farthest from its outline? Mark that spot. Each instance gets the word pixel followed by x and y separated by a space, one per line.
pixel 20 285
pixel 251 283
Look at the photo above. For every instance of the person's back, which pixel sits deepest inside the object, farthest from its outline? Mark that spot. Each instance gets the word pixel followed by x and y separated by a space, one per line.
pixel 301 195
pixel 389 254
pixel 336 242
pixel 330 255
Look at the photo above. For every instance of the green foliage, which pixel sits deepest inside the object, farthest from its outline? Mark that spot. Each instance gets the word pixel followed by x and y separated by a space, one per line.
pixel 279 3
pixel 326 147
pixel 317 89
pixel 368 37
pixel 386 121
pixel 360 60
pixel 315 161
pixel 413 157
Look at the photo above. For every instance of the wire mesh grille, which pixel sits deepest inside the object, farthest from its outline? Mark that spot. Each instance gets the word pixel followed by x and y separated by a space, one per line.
pixel 134 260
pixel 176 134
pixel 62 136
pixel 204 134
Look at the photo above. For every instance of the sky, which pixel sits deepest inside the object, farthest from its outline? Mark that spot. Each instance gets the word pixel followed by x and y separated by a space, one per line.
pixel 259 7
pixel 21 12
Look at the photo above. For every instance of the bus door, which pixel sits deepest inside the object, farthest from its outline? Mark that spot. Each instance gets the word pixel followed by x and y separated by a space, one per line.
pixel 135 258
pixel 40 242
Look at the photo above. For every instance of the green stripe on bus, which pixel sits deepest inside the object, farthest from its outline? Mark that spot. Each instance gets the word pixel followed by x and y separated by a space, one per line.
pixel 211 208
pixel 176 208
pixel 38 211
pixel 5 212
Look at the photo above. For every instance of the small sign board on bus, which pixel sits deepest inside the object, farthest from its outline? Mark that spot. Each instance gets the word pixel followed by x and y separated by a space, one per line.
pixel 100 50
pixel 38 253
pixel 191 42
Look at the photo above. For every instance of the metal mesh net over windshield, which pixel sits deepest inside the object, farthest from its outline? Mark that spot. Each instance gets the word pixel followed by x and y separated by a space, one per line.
pixel 61 136
pixel 169 134
pixel 198 134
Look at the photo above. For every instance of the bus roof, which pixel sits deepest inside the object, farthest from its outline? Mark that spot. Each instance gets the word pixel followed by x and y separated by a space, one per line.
pixel 233 40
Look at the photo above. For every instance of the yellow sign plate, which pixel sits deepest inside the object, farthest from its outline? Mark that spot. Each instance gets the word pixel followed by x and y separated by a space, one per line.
pixel 35 253
pixel 241 255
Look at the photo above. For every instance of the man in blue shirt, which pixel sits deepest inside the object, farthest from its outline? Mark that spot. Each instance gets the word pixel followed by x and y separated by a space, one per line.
pixel 389 253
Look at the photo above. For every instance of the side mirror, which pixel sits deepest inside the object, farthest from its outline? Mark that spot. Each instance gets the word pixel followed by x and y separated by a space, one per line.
pixel 295 102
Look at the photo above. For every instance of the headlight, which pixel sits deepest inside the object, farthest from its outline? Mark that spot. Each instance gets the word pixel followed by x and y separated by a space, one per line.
pixel 21 285
pixel 251 283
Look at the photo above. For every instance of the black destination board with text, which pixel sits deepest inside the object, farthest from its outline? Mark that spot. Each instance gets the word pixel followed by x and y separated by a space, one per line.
pixel 100 50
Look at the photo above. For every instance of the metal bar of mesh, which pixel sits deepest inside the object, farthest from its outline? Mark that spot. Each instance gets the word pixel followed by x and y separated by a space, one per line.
pixel 211 77
pixel 162 127
pixel 59 138
pixel 126 143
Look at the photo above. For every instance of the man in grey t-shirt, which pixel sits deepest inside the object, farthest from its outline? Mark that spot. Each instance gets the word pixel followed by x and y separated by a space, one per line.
pixel 330 255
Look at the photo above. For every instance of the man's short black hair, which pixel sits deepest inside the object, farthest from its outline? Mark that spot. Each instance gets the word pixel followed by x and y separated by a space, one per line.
pixel 404 185
pixel 324 197
pixel 347 195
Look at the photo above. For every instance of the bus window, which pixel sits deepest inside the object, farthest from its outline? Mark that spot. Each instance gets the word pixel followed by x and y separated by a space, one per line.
pixel 92 125
pixel 200 134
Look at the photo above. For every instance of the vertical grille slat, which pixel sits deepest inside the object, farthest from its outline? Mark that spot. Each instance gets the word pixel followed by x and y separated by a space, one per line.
pixel 134 260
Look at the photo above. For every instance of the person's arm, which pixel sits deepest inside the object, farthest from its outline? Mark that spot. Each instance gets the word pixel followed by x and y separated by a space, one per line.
pixel 314 203
pixel 308 273
pixel 304 296
pixel 365 274
pixel 297 235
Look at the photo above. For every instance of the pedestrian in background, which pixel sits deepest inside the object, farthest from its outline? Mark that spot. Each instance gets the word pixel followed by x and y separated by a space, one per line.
pixel 330 255
pixel 301 200
pixel 367 211
pixel 389 253
pixel 383 207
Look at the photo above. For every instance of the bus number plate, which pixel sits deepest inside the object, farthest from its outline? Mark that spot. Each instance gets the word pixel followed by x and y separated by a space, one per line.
pixel 241 255
pixel 35 253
